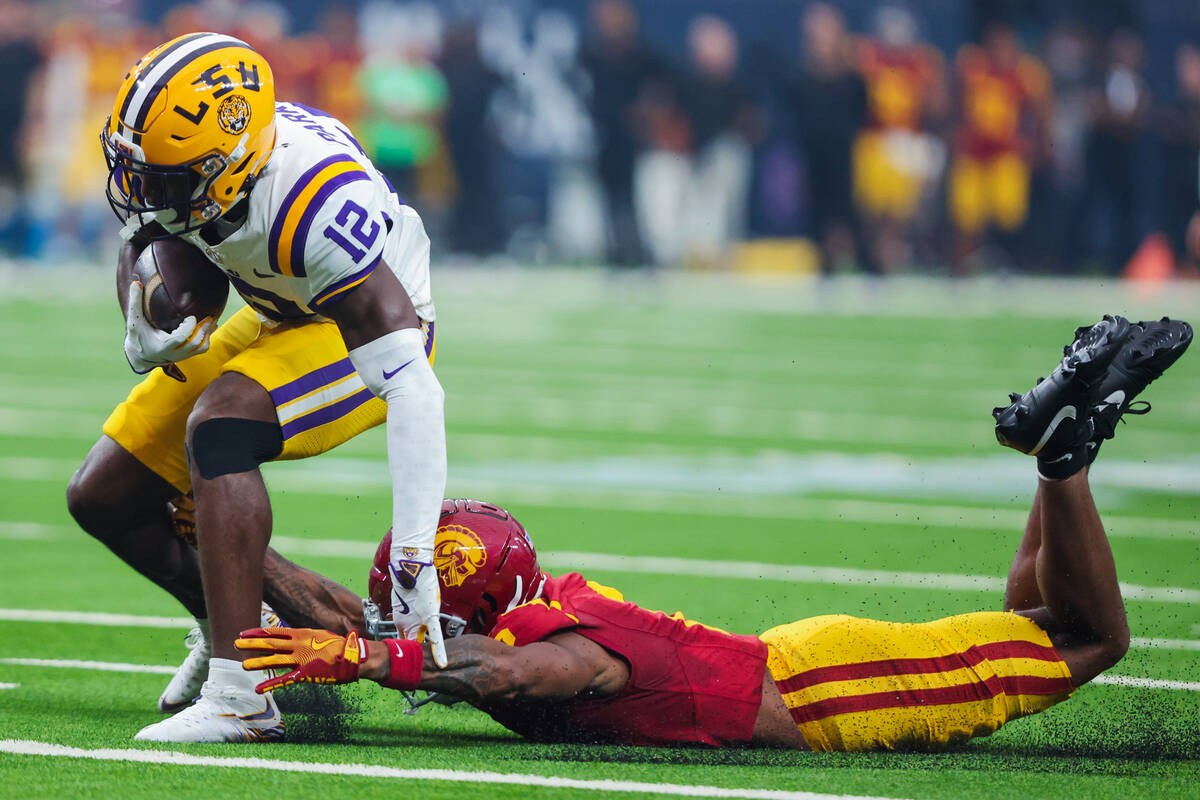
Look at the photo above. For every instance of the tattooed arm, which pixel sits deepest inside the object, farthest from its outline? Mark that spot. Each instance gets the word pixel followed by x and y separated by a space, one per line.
pixel 306 599
pixel 482 670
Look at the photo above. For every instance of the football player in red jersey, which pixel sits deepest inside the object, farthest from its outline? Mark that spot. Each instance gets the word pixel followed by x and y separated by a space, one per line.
pixel 1005 103
pixel 566 659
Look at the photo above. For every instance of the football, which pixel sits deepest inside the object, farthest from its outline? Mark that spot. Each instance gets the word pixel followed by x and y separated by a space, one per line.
pixel 178 281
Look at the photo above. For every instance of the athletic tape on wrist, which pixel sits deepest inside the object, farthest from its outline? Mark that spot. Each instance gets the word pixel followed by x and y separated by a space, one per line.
pixel 405 661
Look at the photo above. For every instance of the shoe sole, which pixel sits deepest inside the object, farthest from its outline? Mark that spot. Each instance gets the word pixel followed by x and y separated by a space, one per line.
pixel 1124 384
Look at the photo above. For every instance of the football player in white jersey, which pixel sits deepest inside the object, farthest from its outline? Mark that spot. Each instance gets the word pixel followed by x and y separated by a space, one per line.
pixel 338 337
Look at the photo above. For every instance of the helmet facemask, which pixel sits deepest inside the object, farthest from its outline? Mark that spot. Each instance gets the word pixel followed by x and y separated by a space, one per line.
pixel 176 196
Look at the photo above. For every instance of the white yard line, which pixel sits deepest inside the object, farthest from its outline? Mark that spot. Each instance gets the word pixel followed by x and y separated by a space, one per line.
pixel 46 749
pixel 1165 644
pixel 102 666
pixel 13 529
pixel 731 484
pixel 1146 683
pixel 868 512
pixel 94 618
pixel 796 573
pixel 844 576
pixel 656 565
pixel 10 685
pixel 632 417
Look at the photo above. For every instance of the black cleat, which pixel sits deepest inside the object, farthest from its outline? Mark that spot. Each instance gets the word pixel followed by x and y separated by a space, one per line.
pixel 1053 419
pixel 1149 350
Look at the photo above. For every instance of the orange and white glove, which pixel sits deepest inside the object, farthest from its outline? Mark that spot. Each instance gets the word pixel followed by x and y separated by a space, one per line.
pixel 316 656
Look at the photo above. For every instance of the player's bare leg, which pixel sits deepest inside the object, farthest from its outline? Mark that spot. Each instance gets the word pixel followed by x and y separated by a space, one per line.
pixel 123 503
pixel 233 526
pixel 1021 591
pixel 1077 578
pixel 233 516
pixel 1063 575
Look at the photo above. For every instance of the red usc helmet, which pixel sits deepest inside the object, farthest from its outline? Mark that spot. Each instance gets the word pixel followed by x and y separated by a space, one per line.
pixel 485 562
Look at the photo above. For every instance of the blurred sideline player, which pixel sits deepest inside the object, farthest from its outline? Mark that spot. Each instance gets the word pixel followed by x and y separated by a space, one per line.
pixel 337 338
pixel 894 159
pixel 1005 98
pixel 565 659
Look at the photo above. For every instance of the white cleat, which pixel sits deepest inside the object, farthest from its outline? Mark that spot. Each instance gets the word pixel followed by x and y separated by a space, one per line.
pixel 220 714
pixel 184 686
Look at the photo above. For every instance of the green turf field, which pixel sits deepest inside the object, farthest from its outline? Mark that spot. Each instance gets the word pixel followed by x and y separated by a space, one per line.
pixel 748 453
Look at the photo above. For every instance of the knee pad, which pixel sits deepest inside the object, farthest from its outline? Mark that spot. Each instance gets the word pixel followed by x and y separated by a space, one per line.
pixel 227 445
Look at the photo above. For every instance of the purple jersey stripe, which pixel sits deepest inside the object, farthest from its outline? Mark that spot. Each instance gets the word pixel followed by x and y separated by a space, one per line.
pixel 306 219
pixel 326 414
pixel 332 289
pixel 316 112
pixel 312 381
pixel 289 201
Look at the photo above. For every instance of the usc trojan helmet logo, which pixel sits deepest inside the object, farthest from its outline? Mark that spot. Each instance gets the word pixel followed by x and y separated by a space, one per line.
pixel 458 554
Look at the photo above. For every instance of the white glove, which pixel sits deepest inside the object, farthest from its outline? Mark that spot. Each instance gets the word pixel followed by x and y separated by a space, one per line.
pixel 415 610
pixel 147 347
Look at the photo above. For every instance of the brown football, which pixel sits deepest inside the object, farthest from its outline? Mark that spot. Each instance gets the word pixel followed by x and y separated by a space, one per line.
pixel 178 281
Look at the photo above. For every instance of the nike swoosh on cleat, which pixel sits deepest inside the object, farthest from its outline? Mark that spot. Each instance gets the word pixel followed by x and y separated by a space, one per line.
pixel 1066 412
pixel 1116 398
pixel 266 713
pixel 388 375
pixel 1060 459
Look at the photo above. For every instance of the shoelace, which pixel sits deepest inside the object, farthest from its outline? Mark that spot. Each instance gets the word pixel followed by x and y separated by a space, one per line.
pixel 1142 407
pixel 1106 426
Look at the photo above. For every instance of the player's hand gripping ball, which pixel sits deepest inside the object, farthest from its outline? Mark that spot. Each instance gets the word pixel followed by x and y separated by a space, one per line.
pixel 176 296
pixel 315 656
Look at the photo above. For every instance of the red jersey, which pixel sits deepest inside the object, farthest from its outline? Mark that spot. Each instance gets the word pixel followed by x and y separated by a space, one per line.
pixel 688 683
pixel 996 101
pixel 898 81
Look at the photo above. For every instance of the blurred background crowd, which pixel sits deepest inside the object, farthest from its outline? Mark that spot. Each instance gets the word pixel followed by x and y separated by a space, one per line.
pixel 933 135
